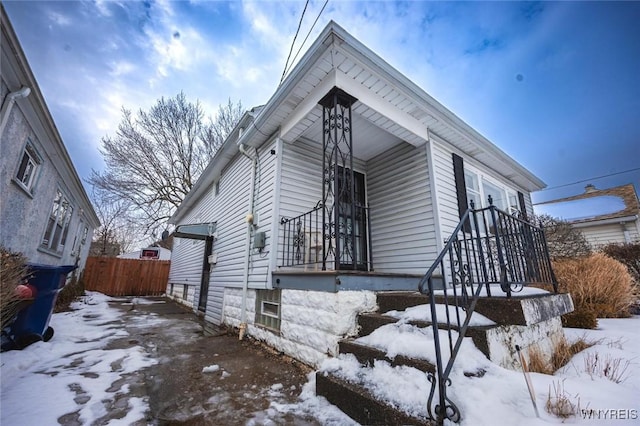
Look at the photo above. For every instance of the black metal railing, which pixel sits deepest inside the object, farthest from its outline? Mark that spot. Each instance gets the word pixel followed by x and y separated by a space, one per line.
pixel 302 238
pixel 343 244
pixel 489 246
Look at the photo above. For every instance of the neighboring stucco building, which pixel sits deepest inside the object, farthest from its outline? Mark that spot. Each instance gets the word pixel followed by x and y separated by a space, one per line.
pixel 45 212
pixel 346 182
pixel 604 216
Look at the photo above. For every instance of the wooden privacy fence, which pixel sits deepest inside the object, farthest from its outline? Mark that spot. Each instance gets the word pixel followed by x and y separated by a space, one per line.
pixel 126 277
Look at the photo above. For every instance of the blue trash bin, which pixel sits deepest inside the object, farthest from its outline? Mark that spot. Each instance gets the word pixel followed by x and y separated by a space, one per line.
pixel 32 323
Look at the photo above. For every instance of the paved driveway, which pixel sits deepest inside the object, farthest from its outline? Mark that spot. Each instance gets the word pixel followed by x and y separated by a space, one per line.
pixel 124 361
pixel 241 381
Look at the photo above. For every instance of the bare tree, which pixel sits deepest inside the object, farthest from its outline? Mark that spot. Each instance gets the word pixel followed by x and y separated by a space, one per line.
pixel 563 239
pixel 117 231
pixel 155 157
pixel 217 130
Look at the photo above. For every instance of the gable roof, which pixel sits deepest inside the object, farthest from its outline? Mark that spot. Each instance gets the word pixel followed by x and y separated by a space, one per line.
pixel 625 193
pixel 386 99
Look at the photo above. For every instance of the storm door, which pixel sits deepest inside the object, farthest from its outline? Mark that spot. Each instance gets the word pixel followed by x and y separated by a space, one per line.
pixel 206 275
pixel 352 220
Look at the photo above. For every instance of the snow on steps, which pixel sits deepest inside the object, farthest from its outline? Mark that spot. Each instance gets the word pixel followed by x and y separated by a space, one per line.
pixel 402 340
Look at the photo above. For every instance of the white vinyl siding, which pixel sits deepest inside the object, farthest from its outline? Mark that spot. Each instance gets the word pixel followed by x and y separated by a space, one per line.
pixel 402 224
pixel 263 209
pixel 301 182
pixel 600 235
pixel 445 189
pixel 229 209
pixel 186 262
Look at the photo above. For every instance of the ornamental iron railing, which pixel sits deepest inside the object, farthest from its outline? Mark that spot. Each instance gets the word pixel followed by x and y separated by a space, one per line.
pixel 306 243
pixel 489 246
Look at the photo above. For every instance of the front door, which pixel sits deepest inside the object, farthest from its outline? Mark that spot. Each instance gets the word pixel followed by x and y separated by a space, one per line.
pixel 352 221
pixel 206 273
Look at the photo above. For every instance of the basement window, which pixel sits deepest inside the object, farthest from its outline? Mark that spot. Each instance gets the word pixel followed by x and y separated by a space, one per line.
pixel 268 308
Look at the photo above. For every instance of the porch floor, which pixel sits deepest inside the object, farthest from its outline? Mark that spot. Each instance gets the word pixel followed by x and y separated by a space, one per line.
pixel 334 281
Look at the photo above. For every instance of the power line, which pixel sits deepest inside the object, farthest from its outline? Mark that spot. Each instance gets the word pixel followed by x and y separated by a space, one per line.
pixel 294 41
pixel 587 180
pixel 308 34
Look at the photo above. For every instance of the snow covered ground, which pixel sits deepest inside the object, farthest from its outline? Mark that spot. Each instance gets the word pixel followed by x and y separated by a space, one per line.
pixel 75 372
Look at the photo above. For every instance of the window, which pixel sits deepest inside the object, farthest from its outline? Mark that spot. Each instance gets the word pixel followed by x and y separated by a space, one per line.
pixel 479 188
pixel 28 167
pixel 55 235
pixel 268 308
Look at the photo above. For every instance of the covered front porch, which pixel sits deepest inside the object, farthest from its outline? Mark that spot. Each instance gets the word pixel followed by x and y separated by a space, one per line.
pixel 352 193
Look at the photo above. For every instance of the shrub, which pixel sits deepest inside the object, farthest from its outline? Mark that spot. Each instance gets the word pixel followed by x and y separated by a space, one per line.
pixel 599 285
pixel 563 240
pixel 580 318
pixel 628 254
pixel 12 272
pixel 69 293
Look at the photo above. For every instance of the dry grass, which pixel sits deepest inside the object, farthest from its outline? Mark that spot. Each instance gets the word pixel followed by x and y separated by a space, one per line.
pixel 614 369
pixel 562 354
pixel 537 361
pixel 560 403
pixel 12 273
pixel 598 284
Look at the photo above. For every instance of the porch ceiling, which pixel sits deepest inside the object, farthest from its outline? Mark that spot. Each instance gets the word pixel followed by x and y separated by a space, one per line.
pixel 369 139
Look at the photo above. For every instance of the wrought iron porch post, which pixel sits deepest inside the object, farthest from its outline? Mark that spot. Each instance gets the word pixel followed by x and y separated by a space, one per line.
pixel 337 151
pixel 506 286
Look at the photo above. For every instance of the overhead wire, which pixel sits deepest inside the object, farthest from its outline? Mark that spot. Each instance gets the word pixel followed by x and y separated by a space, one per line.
pixel 294 41
pixel 589 179
pixel 308 34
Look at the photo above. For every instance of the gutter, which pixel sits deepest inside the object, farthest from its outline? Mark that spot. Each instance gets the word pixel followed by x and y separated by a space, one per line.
pixel 615 220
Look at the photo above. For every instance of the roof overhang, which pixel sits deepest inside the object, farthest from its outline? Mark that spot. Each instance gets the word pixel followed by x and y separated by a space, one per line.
pixel 196 231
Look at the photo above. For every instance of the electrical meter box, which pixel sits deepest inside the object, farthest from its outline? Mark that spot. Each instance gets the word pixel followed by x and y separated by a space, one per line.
pixel 259 240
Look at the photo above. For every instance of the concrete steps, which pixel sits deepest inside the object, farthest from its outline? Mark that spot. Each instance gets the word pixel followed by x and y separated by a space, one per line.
pixel 525 321
pixel 359 404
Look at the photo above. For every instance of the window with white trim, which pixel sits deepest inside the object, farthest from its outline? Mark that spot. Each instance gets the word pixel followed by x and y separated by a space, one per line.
pixel 55 234
pixel 28 167
pixel 479 188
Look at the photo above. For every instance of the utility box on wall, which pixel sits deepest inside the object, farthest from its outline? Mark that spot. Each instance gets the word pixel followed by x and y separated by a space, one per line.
pixel 259 240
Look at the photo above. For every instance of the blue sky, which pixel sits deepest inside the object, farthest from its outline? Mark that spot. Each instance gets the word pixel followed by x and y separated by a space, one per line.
pixel 555 85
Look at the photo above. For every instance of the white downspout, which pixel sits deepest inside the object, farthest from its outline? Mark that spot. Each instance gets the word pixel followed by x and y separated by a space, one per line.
pixel 247 254
pixel 8 102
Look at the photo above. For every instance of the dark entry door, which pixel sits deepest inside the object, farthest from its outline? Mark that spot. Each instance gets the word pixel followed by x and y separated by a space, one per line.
pixel 206 272
pixel 352 221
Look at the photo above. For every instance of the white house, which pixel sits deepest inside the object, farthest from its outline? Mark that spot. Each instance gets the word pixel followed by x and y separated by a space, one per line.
pixel 346 182
pixel 604 216
pixel 45 212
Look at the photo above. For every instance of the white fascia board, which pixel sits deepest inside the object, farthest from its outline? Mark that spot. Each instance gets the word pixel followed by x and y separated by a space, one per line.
pixel 372 61
pixel 308 104
pixel 378 104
